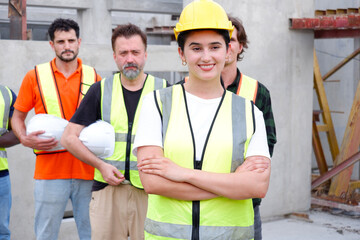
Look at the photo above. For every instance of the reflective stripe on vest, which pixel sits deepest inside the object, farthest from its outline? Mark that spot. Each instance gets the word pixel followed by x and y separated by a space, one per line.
pixel 5 103
pixel 247 87
pixel 113 111
pixel 218 218
pixel 177 231
pixel 50 95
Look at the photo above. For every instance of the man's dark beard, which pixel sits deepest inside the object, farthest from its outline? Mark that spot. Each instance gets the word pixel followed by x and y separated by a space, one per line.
pixel 67 59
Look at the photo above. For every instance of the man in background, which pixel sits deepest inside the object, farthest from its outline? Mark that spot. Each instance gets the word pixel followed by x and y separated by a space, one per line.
pixel 119 202
pixel 249 88
pixel 7 139
pixel 57 88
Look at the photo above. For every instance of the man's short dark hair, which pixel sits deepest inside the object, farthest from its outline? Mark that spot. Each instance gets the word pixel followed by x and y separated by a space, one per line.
pixel 61 24
pixel 127 31
pixel 241 35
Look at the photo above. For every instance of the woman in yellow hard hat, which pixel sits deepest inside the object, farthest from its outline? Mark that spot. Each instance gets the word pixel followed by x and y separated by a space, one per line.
pixel 202 151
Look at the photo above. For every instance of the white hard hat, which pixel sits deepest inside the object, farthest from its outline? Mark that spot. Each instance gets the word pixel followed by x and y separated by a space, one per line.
pixel 52 125
pixel 99 138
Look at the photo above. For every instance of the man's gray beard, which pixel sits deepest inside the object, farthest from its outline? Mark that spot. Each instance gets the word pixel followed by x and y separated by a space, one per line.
pixel 131 74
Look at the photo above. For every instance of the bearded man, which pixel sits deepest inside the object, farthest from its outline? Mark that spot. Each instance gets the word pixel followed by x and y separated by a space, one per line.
pixel 119 203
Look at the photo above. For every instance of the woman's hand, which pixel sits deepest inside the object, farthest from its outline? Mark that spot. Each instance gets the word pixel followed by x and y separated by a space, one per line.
pixel 255 163
pixel 164 167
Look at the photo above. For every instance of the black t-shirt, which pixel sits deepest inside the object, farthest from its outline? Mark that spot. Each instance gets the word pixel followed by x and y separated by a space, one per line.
pixel 89 112
pixel 131 99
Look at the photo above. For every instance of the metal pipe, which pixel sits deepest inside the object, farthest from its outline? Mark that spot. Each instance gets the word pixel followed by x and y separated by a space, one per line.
pixel 336 170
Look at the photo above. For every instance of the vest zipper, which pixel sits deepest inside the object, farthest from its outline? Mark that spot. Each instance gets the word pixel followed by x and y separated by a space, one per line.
pixel 198 165
pixel 195 220
pixel 128 149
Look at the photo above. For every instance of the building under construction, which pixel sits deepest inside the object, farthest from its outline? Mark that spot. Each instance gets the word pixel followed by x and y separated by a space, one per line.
pixel 306 52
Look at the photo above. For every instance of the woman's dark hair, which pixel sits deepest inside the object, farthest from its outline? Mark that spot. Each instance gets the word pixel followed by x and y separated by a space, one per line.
pixel 61 24
pixel 184 35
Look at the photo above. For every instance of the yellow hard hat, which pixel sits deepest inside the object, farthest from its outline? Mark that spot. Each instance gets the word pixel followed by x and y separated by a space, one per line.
pixel 203 14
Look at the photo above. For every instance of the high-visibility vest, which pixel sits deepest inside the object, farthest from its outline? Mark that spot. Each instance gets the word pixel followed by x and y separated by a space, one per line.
pixel 247 87
pixel 5 103
pixel 224 150
pixel 50 95
pixel 113 111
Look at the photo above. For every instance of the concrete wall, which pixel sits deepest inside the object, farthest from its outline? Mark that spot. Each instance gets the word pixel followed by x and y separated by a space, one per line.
pixel 22 56
pixel 278 57
pixel 282 60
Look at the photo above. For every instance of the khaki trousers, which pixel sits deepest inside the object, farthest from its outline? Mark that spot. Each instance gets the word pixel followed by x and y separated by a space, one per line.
pixel 117 212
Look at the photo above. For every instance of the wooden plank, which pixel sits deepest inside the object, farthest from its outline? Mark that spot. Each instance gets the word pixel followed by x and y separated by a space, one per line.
pixel 322 128
pixel 350 145
pixel 332 204
pixel 353 10
pixel 330 12
pixel 341 11
pixel 320 13
pixel 353 186
pixel 318 150
pixel 341 64
pixel 324 105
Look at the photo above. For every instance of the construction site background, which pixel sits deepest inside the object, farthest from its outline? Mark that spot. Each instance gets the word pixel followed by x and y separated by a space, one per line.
pixel 278 56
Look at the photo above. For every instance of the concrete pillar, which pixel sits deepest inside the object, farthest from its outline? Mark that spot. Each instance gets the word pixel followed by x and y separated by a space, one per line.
pixel 95 23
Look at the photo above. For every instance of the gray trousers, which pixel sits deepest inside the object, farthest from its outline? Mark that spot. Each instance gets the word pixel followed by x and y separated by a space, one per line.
pixel 257 223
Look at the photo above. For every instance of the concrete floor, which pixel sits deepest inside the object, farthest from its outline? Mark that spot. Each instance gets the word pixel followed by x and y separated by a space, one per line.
pixel 315 224
pixel 328 225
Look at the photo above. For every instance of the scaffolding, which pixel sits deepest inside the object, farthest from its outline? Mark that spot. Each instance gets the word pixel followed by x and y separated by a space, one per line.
pixel 334 187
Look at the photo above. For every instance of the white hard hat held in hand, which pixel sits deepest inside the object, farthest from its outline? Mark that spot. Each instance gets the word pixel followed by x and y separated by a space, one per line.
pixel 99 138
pixel 52 125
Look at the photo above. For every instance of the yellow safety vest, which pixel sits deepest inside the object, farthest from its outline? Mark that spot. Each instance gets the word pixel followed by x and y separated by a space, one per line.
pixel 224 150
pixel 5 103
pixel 49 92
pixel 113 111
pixel 247 87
